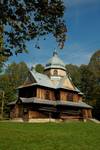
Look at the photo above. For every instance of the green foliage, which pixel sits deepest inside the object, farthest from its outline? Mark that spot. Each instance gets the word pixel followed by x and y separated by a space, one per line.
pixel 0 68
pixel 87 79
pixel 39 68
pixel 14 76
pixel 90 86
pixel 49 136
pixel 73 71
pixel 96 111
pixel 94 65
pixel 88 82
pixel 17 73
pixel 2 57
pixel 26 20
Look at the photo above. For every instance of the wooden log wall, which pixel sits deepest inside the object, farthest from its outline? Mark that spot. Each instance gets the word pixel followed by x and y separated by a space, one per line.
pixel 14 113
pixel 75 98
pixel 41 93
pixel 36 114
pixel 79 97
pixel 63 95
pixel 90 113
pixel 87 113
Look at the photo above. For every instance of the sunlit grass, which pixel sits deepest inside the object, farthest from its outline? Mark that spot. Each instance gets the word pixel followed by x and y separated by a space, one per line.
pixel 49 136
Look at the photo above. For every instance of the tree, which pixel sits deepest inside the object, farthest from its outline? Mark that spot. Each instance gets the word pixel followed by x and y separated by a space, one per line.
pixel 94 65
pixel 97 105
pixel 26 20
pixel 0 68
pixel 5 98
pixel 88 82
pixel 2 57
pixel 39 68
pixel 13 77
pixel 74 73
pixel 17 73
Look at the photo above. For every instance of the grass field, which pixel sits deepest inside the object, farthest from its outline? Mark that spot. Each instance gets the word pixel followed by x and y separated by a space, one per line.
pixel 49 136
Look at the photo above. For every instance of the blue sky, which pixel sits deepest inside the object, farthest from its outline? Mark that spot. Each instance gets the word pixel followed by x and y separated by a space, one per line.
pixel 83 38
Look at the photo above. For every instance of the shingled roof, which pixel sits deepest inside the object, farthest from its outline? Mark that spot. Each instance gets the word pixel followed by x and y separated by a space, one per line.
pixel 42 79
pixel 55 62
pixel 77 104
pixel 51 102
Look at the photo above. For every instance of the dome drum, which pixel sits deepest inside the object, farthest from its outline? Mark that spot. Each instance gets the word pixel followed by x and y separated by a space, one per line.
pixel 55 63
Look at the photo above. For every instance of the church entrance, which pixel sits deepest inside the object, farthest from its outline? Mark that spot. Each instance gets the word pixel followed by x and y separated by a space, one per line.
pixel 20 111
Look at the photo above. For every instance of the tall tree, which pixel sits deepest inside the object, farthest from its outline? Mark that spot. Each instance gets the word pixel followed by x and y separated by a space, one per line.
pixel 13 77
pixel 26 20
pixel 2 57
pixel 88 82
pixel 17 73
pixel 94 65
pixel 74 73
pixel 97 104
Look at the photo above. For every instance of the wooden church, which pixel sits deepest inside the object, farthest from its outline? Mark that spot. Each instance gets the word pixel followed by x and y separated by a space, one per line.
pixel 49 96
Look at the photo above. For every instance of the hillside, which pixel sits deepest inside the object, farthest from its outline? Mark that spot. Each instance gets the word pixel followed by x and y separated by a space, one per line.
pixel 49 136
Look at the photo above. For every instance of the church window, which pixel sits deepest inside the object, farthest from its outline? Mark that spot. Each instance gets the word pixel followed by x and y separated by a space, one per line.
pixel 25 110
pixel 70 97
pixel 47 95
pixel 55 73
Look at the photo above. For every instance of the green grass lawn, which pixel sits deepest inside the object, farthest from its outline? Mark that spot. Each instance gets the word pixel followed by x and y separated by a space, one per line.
pixel 49 136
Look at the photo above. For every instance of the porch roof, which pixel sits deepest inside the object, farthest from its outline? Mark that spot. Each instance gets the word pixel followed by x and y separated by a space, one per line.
pixel 37 100
pixel 56 103
pixel 77 104
pixel 51 102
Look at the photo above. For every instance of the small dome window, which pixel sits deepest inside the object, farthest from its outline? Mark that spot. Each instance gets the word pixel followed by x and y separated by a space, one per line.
pixel 55 72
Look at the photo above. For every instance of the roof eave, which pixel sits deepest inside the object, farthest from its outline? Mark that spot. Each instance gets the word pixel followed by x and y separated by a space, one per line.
pixel 54 67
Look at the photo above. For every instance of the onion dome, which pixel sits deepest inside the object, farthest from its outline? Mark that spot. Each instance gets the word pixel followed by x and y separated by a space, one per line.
pixel 55 62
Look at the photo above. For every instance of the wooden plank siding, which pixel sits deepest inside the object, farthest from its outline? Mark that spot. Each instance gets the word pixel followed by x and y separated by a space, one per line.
pixel 87 113
pixel 63 95
pixel 16 111
pixel 41 93
pixel 75 98
pixel 80 97
pixel 36 114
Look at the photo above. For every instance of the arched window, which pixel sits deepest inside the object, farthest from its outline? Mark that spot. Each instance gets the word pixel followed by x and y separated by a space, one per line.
pixel 47 95
pixel 55 72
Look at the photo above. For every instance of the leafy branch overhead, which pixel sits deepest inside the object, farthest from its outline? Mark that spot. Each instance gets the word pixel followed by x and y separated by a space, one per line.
pixel 25 20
